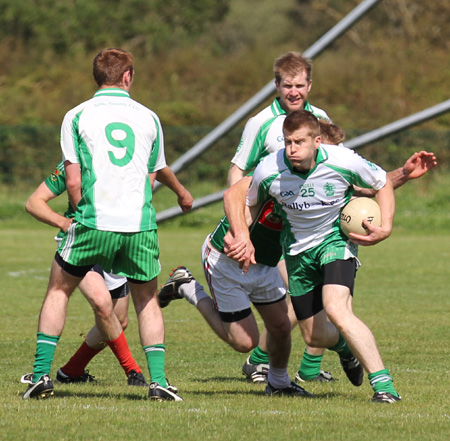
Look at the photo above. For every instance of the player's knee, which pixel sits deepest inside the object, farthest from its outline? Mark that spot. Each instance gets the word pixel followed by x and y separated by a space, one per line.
pixel 103 309
pixel 244 346
pixel 123 322
pixel 312 337
pixel 280 329
pixel 339 316
pixel 243 343
pixel 313 340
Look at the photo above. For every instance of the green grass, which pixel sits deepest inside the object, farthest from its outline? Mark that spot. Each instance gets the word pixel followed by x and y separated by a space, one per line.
pixel 401 293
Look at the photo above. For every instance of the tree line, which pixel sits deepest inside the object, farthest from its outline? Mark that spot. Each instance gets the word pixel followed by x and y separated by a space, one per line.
pixel 197 61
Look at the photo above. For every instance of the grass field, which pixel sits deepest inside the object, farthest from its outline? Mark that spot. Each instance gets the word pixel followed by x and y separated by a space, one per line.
pixel 401 293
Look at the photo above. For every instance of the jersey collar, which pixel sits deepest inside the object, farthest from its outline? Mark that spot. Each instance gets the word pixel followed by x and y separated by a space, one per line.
pixel 322 156
pixel 112 91
pixel 278 110
pixel 308 107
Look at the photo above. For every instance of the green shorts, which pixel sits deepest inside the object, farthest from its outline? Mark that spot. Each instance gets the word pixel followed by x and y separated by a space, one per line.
pixel 305 269
pixel 133 255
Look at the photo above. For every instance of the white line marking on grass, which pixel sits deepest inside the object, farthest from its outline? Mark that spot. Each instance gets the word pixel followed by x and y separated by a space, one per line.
pixel 33 273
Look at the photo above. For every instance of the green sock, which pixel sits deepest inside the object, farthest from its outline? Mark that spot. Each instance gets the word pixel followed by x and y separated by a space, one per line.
pixel 341 348
pixel 310 366
pixel 156 359
pixel 45 350
pixel 259 356
pixel 381 381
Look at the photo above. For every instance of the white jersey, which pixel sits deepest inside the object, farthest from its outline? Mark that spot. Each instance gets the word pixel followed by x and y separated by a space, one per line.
pixel 117 143
pixel 263 134
pixel 310 203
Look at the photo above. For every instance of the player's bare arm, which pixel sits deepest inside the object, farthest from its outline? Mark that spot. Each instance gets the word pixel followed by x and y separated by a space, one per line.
pixel 237 243
pixel 238 217
pixel 37 206
pixel 167 177
pixel 386 200
pixel 235 174
pixel 152 177
pixel 73 182
pixel 415 167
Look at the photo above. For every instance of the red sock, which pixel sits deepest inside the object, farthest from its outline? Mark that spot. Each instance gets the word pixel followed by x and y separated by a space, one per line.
pixel 76 365
pixel 121 350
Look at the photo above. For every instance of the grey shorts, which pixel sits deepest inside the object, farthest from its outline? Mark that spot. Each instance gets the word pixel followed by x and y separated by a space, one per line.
pixel 231 289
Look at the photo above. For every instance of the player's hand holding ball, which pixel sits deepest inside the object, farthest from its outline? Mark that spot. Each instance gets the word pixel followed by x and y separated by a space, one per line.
pixel 360 221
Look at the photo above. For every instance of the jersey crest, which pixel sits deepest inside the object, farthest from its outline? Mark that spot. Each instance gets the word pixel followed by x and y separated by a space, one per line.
pixel 55 174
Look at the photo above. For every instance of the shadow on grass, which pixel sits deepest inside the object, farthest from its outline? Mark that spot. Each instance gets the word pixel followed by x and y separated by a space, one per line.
pixel 142 395
pixel 261 392
pixel 107 395
pixel 219 379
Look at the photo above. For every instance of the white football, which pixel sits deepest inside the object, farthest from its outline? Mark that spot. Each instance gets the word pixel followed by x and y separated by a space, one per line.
pixel 356 211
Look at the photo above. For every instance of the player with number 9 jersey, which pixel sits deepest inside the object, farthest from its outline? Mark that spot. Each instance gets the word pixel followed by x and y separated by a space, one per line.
pixel 117 142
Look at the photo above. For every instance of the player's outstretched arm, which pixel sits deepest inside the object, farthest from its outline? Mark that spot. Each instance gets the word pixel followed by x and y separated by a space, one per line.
pixel 167 177
pixel 386 200
pixel 415 167
pixel 37 206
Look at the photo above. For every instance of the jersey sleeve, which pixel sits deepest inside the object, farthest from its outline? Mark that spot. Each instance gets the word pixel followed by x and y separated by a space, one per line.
pixel 373 175
pixel 250 147
pixel 56 182
pixel 69 137
pixel 259 187
pixel 363 173
pixel 157 160
pixel 319 113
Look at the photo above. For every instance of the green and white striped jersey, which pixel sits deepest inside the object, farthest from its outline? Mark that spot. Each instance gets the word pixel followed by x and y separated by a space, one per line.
pixel 263 134
pixel 117 142
pixel 310 203
pixel 56 183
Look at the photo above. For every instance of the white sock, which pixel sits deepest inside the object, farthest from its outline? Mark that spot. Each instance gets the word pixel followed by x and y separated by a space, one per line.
pixel 193 292
pixel 278 377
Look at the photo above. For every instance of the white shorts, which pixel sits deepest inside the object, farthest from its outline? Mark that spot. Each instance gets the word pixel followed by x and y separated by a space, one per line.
pixel 113 281
pixel 231 289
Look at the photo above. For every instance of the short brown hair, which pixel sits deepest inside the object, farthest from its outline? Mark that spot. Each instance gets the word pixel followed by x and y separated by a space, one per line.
pixel 292 63
pixel 331 133
pixel 109 66
pixel 299 119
